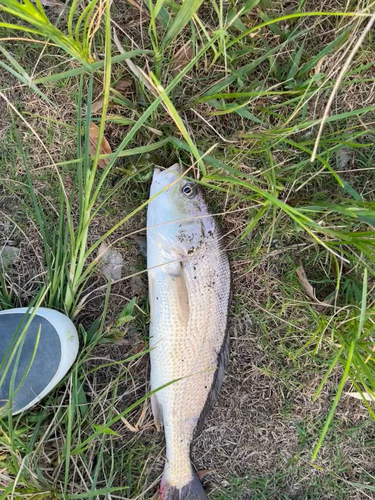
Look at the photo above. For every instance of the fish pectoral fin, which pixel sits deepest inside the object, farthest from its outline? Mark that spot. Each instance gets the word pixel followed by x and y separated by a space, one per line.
pixel 178 294
pixel 157 412
pixel 178 287
pixel 183 295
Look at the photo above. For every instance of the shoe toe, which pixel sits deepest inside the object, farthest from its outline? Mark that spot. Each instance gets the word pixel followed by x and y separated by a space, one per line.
pixel 33 358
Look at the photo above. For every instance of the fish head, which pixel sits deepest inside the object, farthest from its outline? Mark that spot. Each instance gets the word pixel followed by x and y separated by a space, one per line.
pixel 177 192
pixel 178 205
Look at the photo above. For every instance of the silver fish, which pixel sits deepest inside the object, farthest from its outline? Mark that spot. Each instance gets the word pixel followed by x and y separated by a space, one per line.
pixel 189 292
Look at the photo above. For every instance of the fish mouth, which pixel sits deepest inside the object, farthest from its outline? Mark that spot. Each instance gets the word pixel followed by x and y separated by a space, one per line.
pixel 167 176
pixel 174 169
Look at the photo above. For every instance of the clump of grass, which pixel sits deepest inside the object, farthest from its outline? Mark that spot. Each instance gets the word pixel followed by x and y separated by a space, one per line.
pixel 77 43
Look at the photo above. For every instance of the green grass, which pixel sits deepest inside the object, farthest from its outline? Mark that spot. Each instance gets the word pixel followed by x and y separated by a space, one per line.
pixel 245 111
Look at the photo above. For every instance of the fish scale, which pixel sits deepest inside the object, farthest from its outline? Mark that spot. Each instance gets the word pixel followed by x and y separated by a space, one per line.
pixel 189 288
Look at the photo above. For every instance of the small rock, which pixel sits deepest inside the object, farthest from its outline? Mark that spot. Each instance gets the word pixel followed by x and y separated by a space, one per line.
pixel 138 287
pixel 8 255
pixel 343 157
pixel 112 262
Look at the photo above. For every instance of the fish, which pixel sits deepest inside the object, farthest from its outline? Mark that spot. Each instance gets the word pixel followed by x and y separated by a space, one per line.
pixel 189 294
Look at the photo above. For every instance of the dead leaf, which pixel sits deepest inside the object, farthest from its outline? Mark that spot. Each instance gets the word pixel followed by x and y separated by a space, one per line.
pixel 140 347
pixel 105 148
pixel 203 473
pixel 357 395
pixel 138 6
pixel 181 58
pixel 301 275
pixel 54 4
pixel 97 106
pixel 123 84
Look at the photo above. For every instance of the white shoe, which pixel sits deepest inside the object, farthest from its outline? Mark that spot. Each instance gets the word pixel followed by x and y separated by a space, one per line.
pixel 40 365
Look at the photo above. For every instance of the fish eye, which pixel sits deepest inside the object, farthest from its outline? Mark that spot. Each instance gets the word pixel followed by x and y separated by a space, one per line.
pixel 189 190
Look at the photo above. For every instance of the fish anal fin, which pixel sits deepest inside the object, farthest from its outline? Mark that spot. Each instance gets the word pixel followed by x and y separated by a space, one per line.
pixel 157 412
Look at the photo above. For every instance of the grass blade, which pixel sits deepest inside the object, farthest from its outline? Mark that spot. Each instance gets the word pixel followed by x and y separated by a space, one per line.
pixel 186 12
pixel 178 121
pixel 335 402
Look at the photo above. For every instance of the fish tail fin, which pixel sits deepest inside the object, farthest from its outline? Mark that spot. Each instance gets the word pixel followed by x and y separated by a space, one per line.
pixel 193 490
